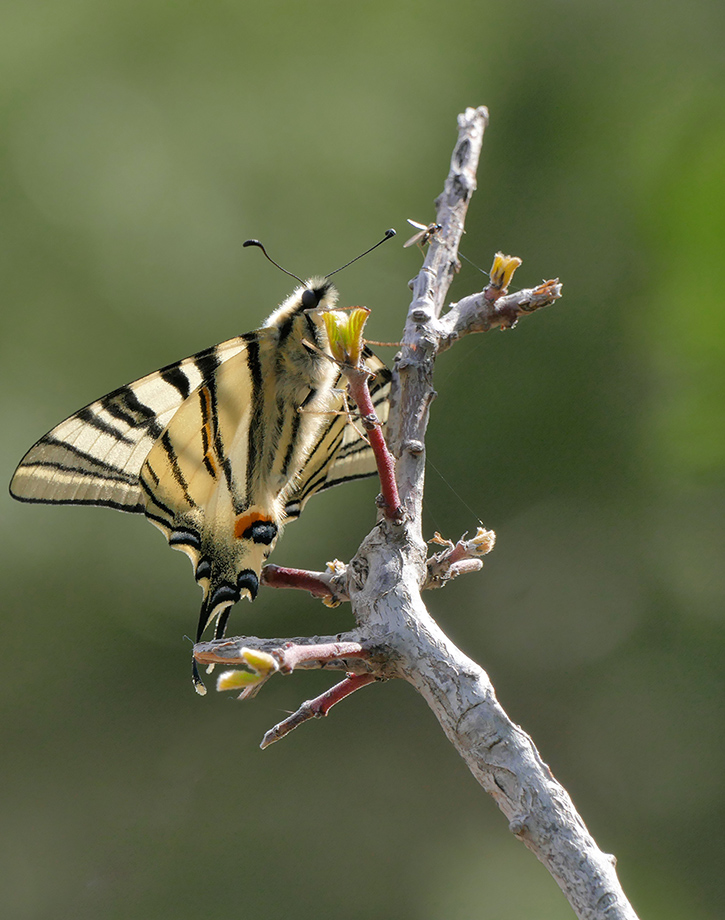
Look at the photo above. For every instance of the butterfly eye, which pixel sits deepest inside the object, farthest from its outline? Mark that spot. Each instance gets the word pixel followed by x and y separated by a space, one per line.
pixel 310 299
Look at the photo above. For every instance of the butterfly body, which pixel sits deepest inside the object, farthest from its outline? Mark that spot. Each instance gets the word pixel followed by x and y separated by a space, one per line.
pixel 227 511
pixel 219 450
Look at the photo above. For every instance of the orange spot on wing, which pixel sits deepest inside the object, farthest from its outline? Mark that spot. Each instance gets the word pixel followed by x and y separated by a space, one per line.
pixel 244 521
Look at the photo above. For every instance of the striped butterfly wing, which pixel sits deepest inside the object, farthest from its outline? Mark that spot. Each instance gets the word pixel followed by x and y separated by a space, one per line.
pixel 238 461
pixel 201 484
pixel 342 453
pixel 219 450
pixel 95 456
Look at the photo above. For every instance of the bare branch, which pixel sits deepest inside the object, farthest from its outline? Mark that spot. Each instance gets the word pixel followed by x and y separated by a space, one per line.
pixel 478 314
pixel 320 706
pixel 337 653
pixel 390 568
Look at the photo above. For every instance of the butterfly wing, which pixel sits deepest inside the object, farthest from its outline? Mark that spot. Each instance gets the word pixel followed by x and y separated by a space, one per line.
pixel 218 450
pixel 241 457
pixel 95 456
pixel 342 453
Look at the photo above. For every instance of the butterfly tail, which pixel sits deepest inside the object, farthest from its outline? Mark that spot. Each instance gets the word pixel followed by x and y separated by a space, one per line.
pixel 219 598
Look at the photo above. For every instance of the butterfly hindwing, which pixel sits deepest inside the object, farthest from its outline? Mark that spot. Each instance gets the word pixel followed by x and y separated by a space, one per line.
pixel 342 452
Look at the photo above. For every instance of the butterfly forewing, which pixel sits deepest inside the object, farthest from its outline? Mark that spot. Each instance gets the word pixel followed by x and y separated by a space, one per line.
pixel 95 456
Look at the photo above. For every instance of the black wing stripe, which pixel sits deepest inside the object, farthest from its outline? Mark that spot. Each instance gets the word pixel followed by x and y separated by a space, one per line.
pixel 137 508
pixel 116 409
pixel 318 466
pixel 163 523
pixel 206 362
pixel 336 481
pixel 117 476
pixel 350 450
pixel 81 455
pixel 256 420
pixel 159 504
pixel 175 377
pixel 90 417
pixel 295 427
pixel 207 425
pixel 179 477
pixel 144 414
pixel 221 454
pixel 274 429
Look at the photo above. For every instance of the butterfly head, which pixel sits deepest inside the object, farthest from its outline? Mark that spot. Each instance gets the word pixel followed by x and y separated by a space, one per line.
pixel 319 294
pixel 314 297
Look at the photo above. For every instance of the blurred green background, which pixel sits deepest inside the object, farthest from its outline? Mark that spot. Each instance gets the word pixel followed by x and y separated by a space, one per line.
pixel 141 144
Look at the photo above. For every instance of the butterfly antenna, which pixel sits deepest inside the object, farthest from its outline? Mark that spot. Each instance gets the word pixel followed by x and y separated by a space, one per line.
pixel 269 258
pixel 389 234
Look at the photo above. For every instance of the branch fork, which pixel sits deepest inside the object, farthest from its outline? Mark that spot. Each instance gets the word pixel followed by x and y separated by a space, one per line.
pixel 260 659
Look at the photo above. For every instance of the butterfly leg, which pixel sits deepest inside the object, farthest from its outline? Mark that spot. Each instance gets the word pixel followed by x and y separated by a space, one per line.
pixel 346 410
pixel 349 414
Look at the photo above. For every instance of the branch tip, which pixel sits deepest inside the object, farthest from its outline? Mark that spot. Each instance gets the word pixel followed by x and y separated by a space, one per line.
pixel 318 707
pixel 459 558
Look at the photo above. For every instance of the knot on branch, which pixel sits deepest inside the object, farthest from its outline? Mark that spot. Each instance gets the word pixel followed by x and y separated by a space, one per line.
pixel 518 825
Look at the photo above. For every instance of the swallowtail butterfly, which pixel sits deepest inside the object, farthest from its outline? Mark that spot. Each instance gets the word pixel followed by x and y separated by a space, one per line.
pixel 219 450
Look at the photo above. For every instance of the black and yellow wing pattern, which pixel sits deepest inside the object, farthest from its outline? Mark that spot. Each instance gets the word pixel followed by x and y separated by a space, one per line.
pixel 219 450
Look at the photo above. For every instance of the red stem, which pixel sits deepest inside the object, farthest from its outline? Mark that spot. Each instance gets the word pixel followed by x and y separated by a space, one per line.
pixel 294 655
pixel 358 382
pixel 277 576
pixel 320 706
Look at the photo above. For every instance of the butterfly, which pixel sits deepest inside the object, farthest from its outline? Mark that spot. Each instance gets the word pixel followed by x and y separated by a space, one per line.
pixel 221 450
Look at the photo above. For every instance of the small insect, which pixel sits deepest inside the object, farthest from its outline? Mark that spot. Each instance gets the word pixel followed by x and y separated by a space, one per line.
pixel 424 235
pixel 220 450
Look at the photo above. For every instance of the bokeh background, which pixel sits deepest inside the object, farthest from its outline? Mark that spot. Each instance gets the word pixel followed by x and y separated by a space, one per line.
pixel 142 142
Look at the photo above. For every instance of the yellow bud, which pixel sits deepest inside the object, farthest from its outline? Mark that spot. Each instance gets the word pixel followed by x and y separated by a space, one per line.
pixel 260 662
pixel 441 541
pixel 236 680
pixel 502 270
pixel 344 333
